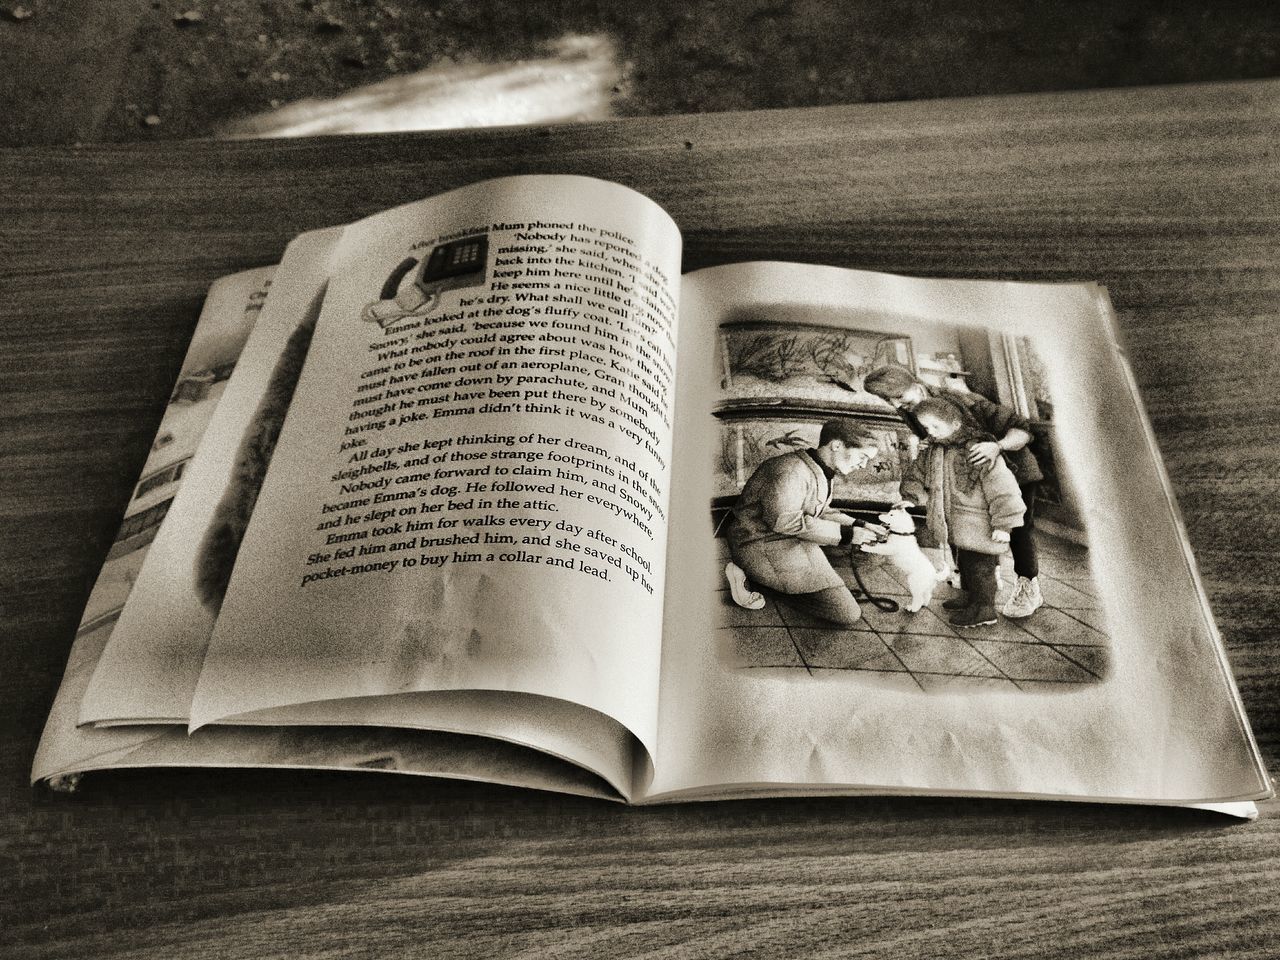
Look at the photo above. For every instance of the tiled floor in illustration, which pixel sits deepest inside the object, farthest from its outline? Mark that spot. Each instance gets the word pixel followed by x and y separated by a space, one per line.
pixel 1063 644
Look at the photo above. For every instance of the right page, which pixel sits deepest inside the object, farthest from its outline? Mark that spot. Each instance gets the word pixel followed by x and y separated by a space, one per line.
pixel 922 542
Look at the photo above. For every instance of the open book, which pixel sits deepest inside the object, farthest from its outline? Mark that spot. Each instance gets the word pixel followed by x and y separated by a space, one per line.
pixel 481 487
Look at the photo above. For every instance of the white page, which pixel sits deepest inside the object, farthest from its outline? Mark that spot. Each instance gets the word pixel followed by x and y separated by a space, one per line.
pixel 535 621
pixel 66 748
pixel 154 651
pixel 561 729
pixel 149 668
pixel 1155 719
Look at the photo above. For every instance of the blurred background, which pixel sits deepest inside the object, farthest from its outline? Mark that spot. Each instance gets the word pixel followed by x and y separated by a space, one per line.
pixel 77 71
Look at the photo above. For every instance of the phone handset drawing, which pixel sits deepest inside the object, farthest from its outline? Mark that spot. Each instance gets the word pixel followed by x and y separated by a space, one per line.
pixel 414 287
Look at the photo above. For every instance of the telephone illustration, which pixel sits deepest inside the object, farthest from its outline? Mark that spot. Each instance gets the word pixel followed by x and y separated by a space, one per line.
pixel 413 289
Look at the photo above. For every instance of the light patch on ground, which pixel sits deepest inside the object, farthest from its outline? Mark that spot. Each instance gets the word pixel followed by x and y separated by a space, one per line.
pixel 574 82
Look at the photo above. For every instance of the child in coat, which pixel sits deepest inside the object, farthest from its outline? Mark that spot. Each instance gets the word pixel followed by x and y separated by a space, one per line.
pixel 970 507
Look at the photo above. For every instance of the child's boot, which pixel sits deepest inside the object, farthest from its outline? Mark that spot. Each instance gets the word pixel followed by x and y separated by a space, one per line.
pixel 978 571
pixel 975 615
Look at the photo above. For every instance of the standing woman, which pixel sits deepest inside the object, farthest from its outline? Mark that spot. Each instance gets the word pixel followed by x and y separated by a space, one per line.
pixel 1012 431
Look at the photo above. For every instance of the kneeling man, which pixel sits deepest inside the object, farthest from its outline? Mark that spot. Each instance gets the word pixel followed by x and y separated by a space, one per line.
pixel 782 519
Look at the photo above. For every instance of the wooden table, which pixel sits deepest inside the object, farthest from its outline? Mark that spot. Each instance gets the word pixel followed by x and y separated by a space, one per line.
pixel 1167 195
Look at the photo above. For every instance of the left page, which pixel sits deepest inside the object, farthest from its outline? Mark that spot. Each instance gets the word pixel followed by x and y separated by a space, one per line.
pixel 68 750
pixel 148 671
pixel 469 492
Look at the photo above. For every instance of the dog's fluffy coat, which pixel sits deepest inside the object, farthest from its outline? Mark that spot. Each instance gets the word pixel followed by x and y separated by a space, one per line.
pixel 902 551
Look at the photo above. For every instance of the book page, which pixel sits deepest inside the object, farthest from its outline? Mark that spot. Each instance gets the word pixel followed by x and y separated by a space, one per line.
pixel 470 490
pixel 148 669
pixel 455 735
pixel 1077 658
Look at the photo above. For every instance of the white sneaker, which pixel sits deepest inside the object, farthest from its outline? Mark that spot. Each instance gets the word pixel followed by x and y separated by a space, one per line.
pixel 1026 599
pixel 742 594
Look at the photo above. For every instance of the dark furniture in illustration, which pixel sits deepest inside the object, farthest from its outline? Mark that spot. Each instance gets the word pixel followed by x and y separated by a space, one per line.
pixel 781 381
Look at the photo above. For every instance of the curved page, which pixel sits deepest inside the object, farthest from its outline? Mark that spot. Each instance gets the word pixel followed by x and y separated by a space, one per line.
pixel 67 750
pixel 149 668
pixel 561 729
pixel 470 489
pixel 154 650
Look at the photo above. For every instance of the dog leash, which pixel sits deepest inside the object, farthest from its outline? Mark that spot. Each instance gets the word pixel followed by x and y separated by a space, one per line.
pixel 880 603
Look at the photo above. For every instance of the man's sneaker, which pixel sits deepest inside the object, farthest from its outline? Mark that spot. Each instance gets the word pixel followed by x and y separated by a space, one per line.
pixel 1025 599
pixel 957 603
pixel 978 615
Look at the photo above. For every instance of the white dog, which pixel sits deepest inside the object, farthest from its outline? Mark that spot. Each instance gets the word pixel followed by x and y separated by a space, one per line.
pixel 906 556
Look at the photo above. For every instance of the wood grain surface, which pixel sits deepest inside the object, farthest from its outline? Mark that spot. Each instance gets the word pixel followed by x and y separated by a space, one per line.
pixel 1167 195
